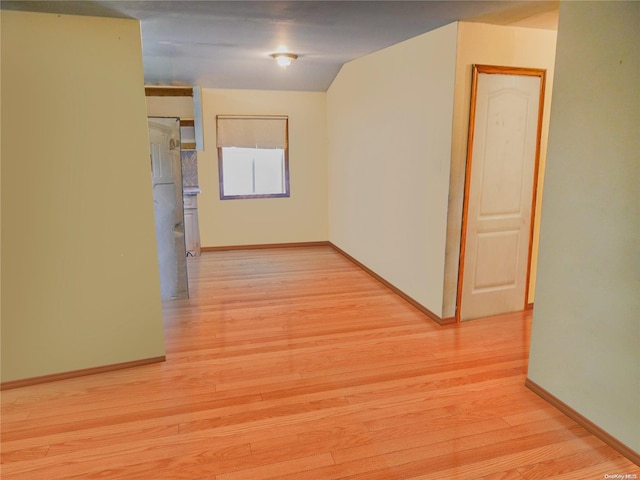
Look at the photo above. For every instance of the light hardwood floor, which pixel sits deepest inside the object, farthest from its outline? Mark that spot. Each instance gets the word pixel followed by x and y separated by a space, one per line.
pixel 292 363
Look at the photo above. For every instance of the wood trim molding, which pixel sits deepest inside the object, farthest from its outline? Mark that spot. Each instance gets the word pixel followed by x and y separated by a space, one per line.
pixel 25 382
pixel 396 290
pixel 187 122
pixel 502 70
pixel 264 245
pixel 168 91
pixel 542 74
pixel 529 306
pixel 581 420
pixel 465 197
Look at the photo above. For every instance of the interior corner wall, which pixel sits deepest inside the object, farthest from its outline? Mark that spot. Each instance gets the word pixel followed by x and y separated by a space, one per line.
pixel 484 44
pixel 300 218
pixel 389 120
pixel 80 284
pixel 586 323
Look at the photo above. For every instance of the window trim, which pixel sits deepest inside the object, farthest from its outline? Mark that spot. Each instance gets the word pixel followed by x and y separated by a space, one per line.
pixel 287 191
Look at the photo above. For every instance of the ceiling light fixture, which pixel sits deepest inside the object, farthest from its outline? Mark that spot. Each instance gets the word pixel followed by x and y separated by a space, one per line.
pixel 284 59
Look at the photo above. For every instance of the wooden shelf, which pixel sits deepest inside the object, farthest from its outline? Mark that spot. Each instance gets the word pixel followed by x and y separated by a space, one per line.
pixel 168 91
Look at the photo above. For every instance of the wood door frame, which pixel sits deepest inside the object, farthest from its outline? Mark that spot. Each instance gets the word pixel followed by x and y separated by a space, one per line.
pixel 498 70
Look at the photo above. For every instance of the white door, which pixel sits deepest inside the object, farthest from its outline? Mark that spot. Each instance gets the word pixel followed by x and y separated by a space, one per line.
pixel 504 132
pixel 164 142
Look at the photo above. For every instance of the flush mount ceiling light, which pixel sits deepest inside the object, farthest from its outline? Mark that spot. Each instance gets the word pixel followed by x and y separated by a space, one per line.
pixel 284 59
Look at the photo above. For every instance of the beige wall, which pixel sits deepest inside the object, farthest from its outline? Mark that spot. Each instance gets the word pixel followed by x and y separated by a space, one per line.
pixel 489 45
pixel 389 117
pixel 181 107
pixel 586 323
pixel 80 283
pixel 300 218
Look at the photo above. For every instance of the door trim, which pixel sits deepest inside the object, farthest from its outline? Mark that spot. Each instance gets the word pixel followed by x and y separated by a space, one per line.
pixel 498 70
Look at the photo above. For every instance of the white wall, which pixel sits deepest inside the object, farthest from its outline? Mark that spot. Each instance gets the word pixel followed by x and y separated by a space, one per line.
pixel 484 44
pixel 586 322
pixel 300 218
pixel 389 120
pixel 80 285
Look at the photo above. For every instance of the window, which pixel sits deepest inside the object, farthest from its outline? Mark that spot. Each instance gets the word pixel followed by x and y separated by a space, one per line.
pixel 253 156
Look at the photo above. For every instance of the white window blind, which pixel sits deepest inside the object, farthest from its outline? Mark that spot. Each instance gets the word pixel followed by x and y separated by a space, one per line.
pixel 252 132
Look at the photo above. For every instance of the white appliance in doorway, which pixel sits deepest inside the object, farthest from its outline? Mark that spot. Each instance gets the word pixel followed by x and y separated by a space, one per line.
pixel 166 171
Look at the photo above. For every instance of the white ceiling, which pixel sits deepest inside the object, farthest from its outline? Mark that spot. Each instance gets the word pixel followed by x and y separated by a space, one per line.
pixel 226 44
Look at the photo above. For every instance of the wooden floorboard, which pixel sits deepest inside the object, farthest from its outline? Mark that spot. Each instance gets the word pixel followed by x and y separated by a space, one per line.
pixel 293 363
